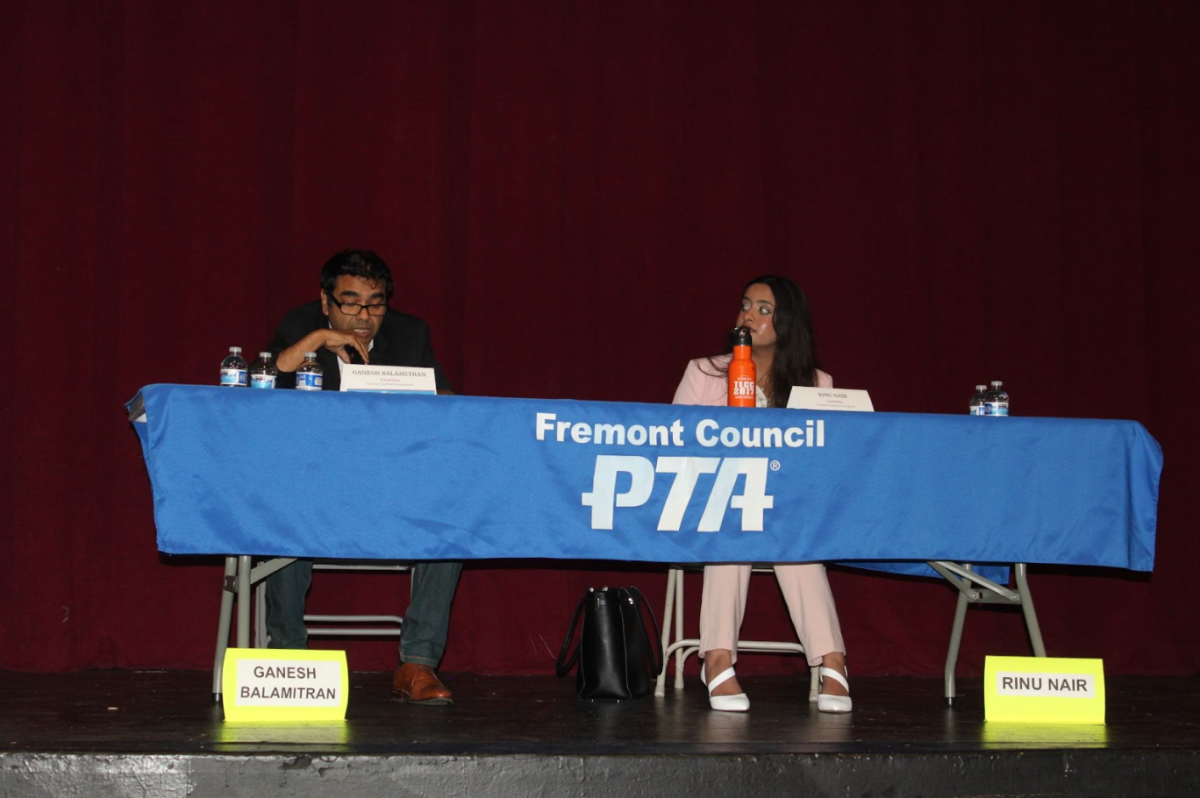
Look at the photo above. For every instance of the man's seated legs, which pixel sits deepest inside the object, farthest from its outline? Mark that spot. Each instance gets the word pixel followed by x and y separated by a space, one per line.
pixel 423 636
pixel 286 591
pixel 426 625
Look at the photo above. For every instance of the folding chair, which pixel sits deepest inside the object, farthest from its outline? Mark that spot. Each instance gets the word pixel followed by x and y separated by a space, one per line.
pixel 681 648
pixel 972 587
pixel 334 625
pixel 242 577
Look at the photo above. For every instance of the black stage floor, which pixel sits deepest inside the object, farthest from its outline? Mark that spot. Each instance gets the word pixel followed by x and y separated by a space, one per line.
pixel 144 733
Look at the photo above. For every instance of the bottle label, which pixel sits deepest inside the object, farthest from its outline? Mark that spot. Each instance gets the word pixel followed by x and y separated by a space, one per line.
pixel 994 409
pixel 262 381
pixel 742 391
pixel 233 377
pixel 308 381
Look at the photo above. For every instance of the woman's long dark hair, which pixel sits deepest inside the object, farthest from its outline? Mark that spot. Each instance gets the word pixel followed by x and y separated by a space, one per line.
pixel 796 347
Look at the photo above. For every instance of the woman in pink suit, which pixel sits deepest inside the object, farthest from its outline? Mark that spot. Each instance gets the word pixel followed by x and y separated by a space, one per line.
pixel 784 353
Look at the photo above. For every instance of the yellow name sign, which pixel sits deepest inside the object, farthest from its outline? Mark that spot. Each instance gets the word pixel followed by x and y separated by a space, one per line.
pixel 1043 690
pixel 277 685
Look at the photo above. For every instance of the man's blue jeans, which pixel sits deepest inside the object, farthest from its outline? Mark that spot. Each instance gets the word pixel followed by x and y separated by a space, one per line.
pixel 426 624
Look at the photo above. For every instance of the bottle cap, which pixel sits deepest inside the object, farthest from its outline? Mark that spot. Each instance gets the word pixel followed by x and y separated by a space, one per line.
pixel 996 383
pixel 741 336
pixel 310 354
pixel 235 350
pixel 981 387
pixel 265 355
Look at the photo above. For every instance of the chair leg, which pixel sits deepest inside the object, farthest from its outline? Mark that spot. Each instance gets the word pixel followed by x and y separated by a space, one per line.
pixel 244 601
pixel 1031 621
pixel 660 686
pixel 223 621
pixel 680 657
pixel 960 618
pixel 260 615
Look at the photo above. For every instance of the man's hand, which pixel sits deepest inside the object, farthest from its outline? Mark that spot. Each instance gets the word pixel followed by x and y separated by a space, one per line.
pixel 335 341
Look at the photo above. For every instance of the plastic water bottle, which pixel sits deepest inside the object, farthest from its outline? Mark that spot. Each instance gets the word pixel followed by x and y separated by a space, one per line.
pixel 233 369
pixel 995 401
pixel 742 377
pixel 309 376
pixel 263 372
pixel 977 408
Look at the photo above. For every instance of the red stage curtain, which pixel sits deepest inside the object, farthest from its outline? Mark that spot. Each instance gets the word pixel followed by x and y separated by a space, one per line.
pixel 572 194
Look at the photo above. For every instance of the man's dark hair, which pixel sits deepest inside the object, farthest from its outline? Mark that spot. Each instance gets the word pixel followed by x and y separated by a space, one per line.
pixel 357 263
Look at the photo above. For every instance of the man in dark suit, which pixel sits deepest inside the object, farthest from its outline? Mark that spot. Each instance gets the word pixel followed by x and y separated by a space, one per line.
pixel 352 323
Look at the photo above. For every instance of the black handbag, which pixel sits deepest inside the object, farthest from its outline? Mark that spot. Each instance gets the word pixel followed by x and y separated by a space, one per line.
pixel 617 659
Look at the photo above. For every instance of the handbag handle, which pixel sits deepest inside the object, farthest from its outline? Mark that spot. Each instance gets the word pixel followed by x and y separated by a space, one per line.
pixel 640 602
pixel 560 667
pixel 564 664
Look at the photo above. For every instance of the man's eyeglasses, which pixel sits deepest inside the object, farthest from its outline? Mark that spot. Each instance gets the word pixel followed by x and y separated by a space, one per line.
pixel 354 308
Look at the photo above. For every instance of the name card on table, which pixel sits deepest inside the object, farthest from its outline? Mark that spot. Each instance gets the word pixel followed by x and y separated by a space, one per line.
pixel 388 379
pixel 1043 690
pixel 276 685
pixel 802 398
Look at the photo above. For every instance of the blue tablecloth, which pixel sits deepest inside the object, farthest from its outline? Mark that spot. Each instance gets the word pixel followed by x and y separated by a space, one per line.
pixel 288 473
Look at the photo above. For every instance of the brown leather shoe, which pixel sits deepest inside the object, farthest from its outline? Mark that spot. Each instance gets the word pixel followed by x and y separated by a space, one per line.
pixel 419 684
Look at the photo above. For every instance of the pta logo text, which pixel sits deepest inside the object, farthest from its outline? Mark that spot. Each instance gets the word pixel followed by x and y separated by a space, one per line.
pixel 640 474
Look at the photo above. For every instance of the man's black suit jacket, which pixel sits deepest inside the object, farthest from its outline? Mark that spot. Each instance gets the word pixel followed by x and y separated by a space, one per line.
pixel 403 340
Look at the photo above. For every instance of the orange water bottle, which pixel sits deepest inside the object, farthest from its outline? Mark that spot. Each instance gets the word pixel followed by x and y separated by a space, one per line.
pixel 742 377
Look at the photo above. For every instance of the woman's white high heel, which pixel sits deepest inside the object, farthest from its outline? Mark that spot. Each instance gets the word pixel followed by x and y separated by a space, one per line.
pixel 834 703
pixel 738 702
